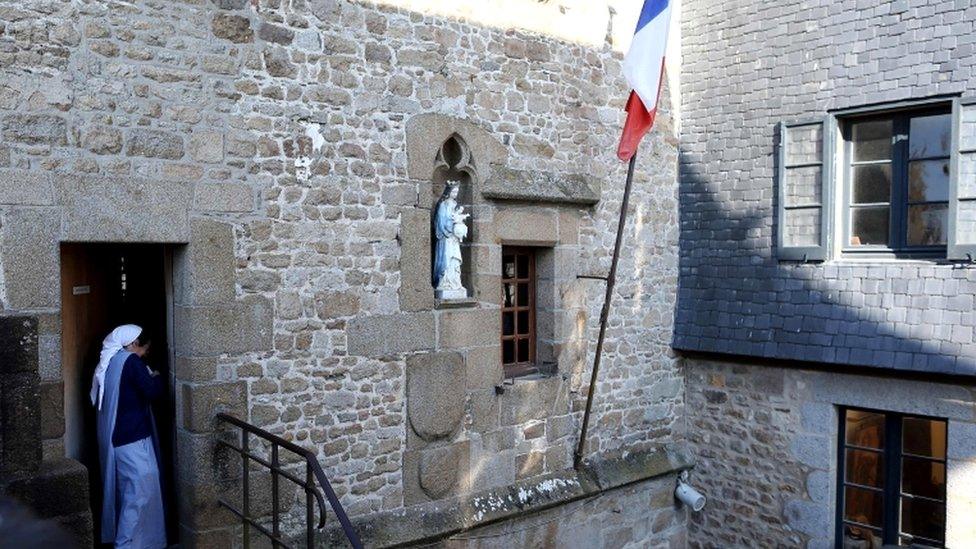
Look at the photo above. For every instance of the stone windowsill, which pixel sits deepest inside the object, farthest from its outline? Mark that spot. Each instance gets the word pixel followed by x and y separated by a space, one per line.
pixel 542 373
pixel 433 521
pixel 466 303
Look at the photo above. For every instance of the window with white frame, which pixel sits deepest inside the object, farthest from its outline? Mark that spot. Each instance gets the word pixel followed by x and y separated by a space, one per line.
pixel 895 182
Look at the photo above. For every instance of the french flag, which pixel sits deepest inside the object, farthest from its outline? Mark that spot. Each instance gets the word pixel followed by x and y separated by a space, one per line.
pixel 643 69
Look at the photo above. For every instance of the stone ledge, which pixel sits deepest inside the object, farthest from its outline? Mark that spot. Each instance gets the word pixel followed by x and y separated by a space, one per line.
pixel 59 488
pixel 508 184
pixel 466 303
pixel 434 521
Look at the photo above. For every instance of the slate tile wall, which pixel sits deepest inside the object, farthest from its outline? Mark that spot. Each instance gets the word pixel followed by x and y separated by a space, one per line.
pixel 747 65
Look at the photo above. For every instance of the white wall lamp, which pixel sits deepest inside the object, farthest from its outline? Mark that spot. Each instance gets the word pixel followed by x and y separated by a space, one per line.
pixel 688 495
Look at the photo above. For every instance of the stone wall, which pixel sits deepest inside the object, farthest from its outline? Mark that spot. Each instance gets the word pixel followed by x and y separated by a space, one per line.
pixel 642 515
pixel 749 66
pixel 287 151
pixel 54 489
pixel 765 437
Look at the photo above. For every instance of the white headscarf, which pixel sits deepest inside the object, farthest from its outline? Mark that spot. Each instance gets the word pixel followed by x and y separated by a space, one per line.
pixel 113 343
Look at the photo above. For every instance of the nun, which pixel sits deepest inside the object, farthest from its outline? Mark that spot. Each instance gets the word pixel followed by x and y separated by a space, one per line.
pixel 122 391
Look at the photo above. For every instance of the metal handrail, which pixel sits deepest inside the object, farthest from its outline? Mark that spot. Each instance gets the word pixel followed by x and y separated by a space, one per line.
pixel 313 474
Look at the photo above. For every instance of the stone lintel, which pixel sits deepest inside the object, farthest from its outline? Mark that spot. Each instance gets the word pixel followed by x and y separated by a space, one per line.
pixel 525 225
pixel 30 258
pixel 535 186
pixel 123 209
pixel 432 521
pixel 26 188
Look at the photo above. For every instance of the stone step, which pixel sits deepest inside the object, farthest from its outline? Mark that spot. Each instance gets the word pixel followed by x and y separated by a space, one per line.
pixel 58 490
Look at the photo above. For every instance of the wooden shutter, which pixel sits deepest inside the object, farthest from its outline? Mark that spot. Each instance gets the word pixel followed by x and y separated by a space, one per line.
pixel 962 181
pixel 805 189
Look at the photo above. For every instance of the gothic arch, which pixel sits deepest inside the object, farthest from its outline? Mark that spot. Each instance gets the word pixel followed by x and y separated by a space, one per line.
pixel 425 130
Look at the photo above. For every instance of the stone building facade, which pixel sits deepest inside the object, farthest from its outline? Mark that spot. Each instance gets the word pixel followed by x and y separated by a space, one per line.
pixel 778 344
pixel 283 158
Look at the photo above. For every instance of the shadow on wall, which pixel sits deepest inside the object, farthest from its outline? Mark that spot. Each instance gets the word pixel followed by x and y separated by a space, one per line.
pixel 735 297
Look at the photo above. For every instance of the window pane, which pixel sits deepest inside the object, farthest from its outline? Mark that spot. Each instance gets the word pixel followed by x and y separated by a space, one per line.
pixel 928 181
pixel 508 323
pixel 859 537
pixel 508 266
pixel 924 437
pixel 508 351
pixel 929 136
pixel 863 506
pixel 927 224
pixel 523 266
pixel 865 467
pixel 803 186
pixel 508 294
pixel 922 477
pixel 523 295
pixel 872 140
pixel 923 518
pixel 802 227
pixel 523 350
pixel 523 323
pixel 872 183
pixel 865 429
pixel 804 144
pixel 869 225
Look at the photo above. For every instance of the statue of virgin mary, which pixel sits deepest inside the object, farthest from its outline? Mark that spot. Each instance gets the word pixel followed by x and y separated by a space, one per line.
pixel 450 230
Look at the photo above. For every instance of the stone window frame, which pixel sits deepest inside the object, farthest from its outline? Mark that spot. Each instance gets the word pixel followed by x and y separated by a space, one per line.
pixel 892 456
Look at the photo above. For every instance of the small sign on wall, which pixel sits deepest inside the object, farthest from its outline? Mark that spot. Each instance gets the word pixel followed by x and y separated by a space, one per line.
pixel 80 290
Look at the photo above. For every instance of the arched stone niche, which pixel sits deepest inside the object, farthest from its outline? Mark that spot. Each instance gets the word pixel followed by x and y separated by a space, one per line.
pixel 427 131
pixel 439 148
pixel 454 162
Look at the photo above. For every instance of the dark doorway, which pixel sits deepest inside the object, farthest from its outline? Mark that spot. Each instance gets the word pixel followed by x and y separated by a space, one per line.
pixel 103 286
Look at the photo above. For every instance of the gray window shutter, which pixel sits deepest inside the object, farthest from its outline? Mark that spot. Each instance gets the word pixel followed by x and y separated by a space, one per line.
pixel 805 189
pixel 962 181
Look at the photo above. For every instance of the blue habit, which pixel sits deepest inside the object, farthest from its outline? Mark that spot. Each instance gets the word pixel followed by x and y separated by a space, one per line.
pixel 443 227
pixel 132 504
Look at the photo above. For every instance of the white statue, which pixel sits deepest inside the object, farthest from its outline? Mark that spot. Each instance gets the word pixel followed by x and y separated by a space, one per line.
pixel 450 230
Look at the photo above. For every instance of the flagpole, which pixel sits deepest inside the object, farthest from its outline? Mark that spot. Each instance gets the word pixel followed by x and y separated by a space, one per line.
pixel 611 280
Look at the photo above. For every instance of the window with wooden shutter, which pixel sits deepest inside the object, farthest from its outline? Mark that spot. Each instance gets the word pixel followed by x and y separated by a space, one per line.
pixel 962 183
pixel 804 189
